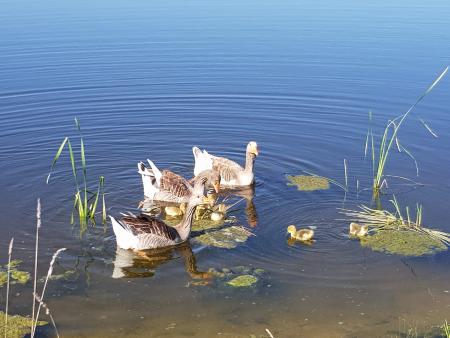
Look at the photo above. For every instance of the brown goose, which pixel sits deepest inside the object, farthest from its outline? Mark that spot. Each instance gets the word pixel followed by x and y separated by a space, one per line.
pixel 170 187
pixel 144 232
pixel 231 173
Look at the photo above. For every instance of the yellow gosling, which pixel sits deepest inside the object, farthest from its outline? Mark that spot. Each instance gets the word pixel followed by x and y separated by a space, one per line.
pixel 358 230
pixel 301 234
pixel 173 211
pixel 217 216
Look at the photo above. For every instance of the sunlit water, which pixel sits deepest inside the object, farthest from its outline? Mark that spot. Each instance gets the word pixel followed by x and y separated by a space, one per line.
pixel 150 80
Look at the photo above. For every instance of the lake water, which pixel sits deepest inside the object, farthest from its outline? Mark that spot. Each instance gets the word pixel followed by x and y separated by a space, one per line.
pixel 152 79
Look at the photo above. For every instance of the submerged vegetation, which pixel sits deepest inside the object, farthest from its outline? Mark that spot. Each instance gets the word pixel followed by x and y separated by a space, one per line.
pixel 227 238
pixel 308 183
pixel 239 277
pixel 446 329
pixel 85 200
pixel 402 242
pixel 17 326
pixel 16 275
pixel 398 232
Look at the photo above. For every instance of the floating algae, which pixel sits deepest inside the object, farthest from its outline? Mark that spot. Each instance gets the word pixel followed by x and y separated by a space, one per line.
pixel 403 242
pixel 18 326
pixel 308 183
pixel 239 277
pixel 227 238
pixel 243 281
pixel 16 276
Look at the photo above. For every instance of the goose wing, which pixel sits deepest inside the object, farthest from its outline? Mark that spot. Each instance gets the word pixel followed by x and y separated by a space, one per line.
pixel 228 169
pixel 174 184
pixel 145 225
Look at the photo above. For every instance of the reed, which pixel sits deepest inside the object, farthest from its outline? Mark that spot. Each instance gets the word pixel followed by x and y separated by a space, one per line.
pixel 11 243
pixel 390 136
pixel 39 298
pixel 85 200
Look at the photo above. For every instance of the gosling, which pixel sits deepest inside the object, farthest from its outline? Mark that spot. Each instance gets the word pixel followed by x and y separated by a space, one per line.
pixel 301 234
pixel 358 230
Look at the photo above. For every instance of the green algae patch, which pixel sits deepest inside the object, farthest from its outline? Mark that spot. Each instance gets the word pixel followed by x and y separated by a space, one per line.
pixel 403 242
pixel 16 276
pixel 3 278
pixel 308 183
pixel 206 224
pixel 18 326
pixel 227 238
pixel 243 281
pixel 20 276
pixel 238 278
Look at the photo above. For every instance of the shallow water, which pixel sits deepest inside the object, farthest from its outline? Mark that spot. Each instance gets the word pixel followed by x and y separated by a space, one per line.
pixel 151 80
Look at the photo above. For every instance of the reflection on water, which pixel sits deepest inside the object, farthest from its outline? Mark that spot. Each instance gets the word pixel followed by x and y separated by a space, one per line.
pixel 142 264
pixel 153 79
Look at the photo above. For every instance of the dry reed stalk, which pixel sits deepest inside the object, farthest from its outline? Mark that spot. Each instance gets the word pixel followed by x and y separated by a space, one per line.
pixel 11 243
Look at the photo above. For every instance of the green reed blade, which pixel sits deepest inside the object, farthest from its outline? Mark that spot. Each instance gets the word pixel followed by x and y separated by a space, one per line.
pixel 73 163
pixel 55 159
pixel 386 142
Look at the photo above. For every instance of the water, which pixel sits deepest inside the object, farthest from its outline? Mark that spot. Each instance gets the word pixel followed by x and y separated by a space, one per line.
pixel 150 80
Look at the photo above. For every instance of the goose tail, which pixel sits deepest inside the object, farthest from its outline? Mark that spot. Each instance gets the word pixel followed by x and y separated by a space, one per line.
pixel 124 237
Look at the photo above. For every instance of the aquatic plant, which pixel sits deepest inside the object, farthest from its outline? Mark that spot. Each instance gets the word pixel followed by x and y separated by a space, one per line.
pixel 243 281
pixel 227 238
pixel 239 277
pixel 390 136
pixel 446 329
pixel 398 232
pixel 85 200
pixel 402 242
pixel 308 183
pixel 17 326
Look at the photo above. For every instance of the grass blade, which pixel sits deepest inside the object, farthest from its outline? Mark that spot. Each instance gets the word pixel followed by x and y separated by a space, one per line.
pixel 55 159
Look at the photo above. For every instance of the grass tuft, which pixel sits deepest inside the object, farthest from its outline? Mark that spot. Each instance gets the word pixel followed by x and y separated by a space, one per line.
pixel 85 201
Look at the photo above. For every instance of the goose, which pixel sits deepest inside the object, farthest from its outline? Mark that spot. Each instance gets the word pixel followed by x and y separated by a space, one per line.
pixel 358 230
pixel 170 187
pixel 145 232
pixel 301 234
pixel 231 173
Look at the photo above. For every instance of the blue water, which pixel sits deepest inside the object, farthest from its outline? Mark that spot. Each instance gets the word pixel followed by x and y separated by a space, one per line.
pixel 150 80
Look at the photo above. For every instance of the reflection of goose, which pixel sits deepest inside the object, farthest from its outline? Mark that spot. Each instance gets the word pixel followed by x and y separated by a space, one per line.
pixel 358 230
pixel 247 193
pixel 167 186
pixel 142 264
pixel 144 232
pixel 301 234
pixel 231 173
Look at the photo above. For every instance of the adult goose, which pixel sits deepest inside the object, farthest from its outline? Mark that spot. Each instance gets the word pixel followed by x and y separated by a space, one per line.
pixel 231 173
pixel 170 187
pixel 145 232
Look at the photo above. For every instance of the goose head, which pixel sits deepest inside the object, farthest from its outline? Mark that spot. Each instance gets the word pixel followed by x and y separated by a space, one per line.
pixel 292 230
pixel 252 148
pixel 212 177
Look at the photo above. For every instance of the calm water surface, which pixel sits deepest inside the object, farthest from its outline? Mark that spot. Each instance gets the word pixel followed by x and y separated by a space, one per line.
pixel 152 79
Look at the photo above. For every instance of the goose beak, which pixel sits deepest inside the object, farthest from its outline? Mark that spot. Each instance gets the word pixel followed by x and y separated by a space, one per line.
pixel 256 151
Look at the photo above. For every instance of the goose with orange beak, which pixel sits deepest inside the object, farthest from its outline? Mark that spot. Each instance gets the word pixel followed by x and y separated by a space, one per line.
pixel 231 173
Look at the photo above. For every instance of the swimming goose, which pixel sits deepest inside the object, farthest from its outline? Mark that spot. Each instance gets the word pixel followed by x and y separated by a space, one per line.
pixel 231 173
pixel 301 234
pixel 170 187
pixel 358 230
pixel 145 232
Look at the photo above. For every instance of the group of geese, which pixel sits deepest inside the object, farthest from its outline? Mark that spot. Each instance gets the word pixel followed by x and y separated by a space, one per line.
pixel 145 232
